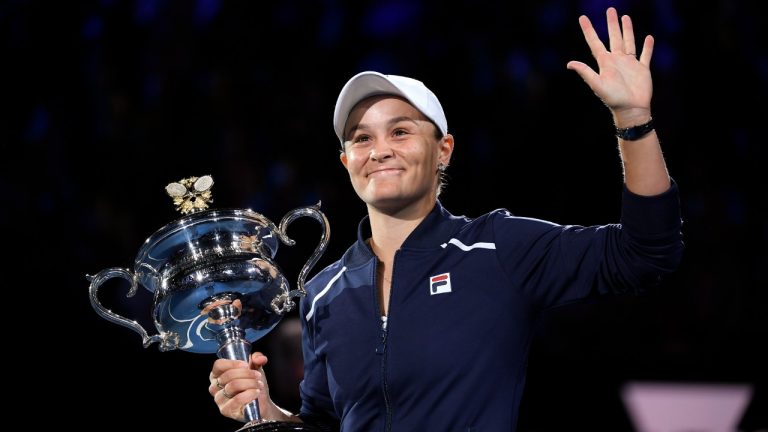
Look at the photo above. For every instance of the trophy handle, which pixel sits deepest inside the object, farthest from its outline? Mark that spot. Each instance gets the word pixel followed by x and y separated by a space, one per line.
pixel 315 213
pixel 109 273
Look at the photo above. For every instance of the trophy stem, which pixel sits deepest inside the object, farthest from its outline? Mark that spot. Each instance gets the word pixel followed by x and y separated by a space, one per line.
pixel 234 346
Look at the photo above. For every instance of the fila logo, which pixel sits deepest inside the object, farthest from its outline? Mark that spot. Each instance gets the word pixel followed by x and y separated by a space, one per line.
pixel 440 284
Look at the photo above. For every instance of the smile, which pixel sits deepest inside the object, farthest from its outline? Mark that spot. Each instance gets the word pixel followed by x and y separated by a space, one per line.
pixel 385 172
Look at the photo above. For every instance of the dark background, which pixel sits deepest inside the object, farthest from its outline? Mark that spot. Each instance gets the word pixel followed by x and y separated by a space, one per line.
pixel 108 101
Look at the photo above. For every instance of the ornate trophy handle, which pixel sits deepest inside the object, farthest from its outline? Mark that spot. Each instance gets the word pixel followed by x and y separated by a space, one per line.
pixel 167 341
pixel 315 213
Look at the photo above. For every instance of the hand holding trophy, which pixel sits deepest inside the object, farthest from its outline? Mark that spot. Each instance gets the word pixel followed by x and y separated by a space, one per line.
pixel 215 285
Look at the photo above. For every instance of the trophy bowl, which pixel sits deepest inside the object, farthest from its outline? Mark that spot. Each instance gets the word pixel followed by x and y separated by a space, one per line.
pixel 215 286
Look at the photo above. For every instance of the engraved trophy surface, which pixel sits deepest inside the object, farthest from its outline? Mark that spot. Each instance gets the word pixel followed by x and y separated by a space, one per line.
pixel 216 288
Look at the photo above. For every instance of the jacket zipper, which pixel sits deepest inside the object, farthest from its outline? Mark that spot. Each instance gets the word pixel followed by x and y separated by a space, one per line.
pixel 382 350
pixel 387 407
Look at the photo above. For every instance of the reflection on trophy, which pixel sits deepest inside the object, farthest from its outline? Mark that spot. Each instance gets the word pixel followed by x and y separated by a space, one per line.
pixel 215 287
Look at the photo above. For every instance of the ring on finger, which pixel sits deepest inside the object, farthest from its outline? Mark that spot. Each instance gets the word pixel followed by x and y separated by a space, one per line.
pixel 218 384
pixel 226 395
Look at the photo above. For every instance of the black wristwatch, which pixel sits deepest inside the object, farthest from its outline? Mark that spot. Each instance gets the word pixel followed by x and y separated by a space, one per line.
pixel 635 132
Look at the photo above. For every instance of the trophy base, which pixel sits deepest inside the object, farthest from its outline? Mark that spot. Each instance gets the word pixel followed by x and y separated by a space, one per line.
pixel 275 426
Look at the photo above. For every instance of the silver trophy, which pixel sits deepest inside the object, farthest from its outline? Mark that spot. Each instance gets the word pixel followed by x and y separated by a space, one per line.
pixel 216 288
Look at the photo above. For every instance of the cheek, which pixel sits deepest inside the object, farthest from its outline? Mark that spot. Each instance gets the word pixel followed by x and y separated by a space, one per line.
pixel 354 163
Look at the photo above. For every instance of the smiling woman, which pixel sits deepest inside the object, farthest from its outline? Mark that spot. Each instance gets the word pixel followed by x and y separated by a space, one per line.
pixel 393 158
pixel 425 322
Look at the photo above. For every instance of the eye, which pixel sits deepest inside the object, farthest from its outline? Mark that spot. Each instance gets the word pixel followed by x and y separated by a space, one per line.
pixel 361 138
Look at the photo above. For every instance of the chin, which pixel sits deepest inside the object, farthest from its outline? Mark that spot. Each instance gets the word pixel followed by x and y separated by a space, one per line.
pixel 381 201
pixel 382 193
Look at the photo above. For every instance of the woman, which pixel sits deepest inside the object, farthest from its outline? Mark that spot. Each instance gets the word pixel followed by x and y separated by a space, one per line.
pixel 425 322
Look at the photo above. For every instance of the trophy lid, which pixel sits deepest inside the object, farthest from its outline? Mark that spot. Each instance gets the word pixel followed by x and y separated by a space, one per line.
pixel 201 234
pixel 191 194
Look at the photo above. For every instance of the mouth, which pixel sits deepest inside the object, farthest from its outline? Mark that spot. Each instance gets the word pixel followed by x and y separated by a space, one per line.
pixel 384 172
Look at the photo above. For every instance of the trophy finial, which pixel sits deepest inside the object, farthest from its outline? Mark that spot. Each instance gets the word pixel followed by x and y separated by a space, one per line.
pixel 191 194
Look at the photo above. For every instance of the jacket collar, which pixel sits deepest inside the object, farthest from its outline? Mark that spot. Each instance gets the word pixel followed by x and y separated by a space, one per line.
pixel 435 229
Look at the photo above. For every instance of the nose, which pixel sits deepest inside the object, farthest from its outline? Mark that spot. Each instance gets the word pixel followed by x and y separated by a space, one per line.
pixel 381 152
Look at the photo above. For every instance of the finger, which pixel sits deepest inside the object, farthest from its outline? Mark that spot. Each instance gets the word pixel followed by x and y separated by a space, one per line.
pixel 614 31
pixel 233 407
pixel 590 35
pixel 237 374
pixel 647 53
pixel 215 385
pixel 234 387
pixel 214 378
pixel 628 33
pixel 231 388
pixel 223 365
pixel 213 389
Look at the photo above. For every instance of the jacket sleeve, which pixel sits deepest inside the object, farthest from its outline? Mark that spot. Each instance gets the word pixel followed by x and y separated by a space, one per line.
pixel 558 264
pixel 316 404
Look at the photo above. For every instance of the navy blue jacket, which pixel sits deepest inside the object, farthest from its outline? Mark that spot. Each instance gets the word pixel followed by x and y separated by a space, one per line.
pixel 465 296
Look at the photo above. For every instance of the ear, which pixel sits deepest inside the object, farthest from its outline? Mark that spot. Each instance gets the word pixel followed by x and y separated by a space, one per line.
pixel 343 158
pixel 445 148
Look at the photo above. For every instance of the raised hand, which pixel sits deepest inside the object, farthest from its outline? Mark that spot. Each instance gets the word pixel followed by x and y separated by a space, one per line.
pixel 623 81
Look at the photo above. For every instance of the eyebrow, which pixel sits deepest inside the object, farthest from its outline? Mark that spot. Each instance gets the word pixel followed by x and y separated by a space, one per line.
pixel 390 122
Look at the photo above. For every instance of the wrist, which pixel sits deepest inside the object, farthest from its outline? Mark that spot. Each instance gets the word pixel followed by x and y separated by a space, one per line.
pixel 630 117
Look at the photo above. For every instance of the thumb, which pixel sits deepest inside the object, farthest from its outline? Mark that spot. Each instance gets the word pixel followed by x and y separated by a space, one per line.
pixel 258 360
pixel 585 72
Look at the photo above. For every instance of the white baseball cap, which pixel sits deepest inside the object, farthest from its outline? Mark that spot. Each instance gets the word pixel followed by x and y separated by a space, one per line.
pixel 369 83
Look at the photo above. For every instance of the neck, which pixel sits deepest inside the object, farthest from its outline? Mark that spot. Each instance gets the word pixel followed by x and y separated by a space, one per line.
pixel 389 230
